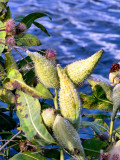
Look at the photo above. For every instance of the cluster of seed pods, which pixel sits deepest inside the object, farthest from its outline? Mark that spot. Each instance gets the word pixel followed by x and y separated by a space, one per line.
pixel 52 76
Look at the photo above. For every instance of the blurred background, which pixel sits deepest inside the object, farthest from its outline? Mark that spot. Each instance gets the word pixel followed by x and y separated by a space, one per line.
pixel 78 28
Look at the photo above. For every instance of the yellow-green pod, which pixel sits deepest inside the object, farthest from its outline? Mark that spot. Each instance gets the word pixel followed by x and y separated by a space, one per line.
pixel 69 101
pixel 67 137
pixel 48 116
pixel 45 70
pixel 78 71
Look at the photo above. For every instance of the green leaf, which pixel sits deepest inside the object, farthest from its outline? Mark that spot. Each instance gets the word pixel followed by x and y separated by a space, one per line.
pixel 2 72
pixel 95 80
pixel 41 27
pixel 3 109
pixel 2 37
pixel 7 96
pixel 6 122
pixel 29 76
pixel 29 19
pixel 98 116
pixel 27 70
pixel 10 63
pixel 93 146
pixel 45 91
pixel 51 153
pixel 99 93
pixel 93 126
pixel 14 80
pixel 26 39
pixel 28 111
pixel 8 14
pixel 92 102
pixel 45 106
pixel 22 63
pixel 3 11
pixel 102 125
pixel 28 156
pixel 117 132
pixel 19 18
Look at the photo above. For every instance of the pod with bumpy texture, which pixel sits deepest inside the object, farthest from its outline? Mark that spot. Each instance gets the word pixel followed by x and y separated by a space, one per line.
pixel 67 137
pixel 48 116
pixel 78 71
pixel 45 70
pixel 69 101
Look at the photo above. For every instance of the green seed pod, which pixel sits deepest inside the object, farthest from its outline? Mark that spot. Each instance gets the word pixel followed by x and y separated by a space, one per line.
pixel 48 116
pixel 78 71
pixel 68 137
pixel 45 70
pixel 69 100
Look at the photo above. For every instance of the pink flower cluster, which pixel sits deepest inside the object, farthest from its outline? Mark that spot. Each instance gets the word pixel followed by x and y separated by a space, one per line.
pixel 12 30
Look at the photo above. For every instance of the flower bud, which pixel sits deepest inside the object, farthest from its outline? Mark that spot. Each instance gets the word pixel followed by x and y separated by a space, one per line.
pixel 48 116
pixel 68 137
pixel 10 27
pixel 50 53
pixel 114 74
pixel 69 100
pixel 10 41
pixel 78 71
pixel 45 70
pixel 21 28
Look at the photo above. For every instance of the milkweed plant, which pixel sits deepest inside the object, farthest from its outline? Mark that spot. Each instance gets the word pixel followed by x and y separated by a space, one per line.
pixel 45 131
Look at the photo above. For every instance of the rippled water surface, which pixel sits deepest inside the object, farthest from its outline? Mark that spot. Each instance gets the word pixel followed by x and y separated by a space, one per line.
pixel 78 28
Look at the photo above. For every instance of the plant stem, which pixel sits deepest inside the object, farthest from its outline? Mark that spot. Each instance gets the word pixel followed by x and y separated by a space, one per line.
pixel 10 140
pixel 7 154
pixel 55 100
pixel 61 154
pixel 111 130
pixel 8 106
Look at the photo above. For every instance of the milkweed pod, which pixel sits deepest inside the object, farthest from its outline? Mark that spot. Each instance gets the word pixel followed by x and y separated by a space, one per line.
pixel 48 116
pixel 78 71
pixel 69 100
pixel 67 137
pixel 45 70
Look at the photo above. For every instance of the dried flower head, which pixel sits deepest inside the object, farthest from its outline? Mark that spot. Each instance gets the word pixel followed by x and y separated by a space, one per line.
pixel 50 53
pixel 21 28
pixel 10 41
pixel 114 74
pixel 10 27
pixel 114 68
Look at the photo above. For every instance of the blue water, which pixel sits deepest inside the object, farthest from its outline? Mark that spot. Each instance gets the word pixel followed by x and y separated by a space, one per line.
pixel 78 29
